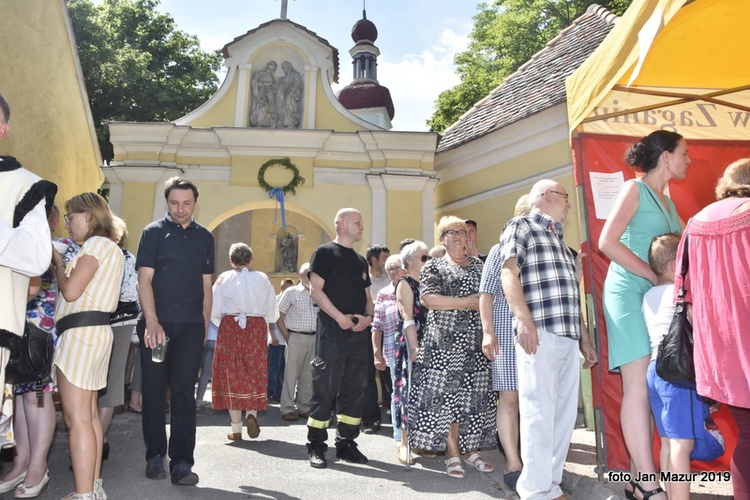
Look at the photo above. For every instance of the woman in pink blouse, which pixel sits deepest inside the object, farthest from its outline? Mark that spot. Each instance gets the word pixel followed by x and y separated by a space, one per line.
pixel 718 284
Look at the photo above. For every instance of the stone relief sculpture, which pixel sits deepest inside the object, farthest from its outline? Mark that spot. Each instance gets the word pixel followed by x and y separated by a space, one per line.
pixel 263 90
pixel 288 94
pixel 275 101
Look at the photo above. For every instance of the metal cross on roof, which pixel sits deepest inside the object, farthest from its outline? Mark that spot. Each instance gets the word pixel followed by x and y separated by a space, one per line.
pixel 283 9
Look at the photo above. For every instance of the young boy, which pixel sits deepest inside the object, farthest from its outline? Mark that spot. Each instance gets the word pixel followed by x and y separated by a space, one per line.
pixel 679 412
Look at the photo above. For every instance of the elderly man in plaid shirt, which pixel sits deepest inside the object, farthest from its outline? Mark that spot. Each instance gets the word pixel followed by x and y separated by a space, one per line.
pixel 540 284
pixel 297 317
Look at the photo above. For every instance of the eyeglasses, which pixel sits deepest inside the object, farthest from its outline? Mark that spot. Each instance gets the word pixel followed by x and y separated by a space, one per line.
pixel 425 258
pixel 393 269
pixel 454 232
pixel 69 216
pixel 564 195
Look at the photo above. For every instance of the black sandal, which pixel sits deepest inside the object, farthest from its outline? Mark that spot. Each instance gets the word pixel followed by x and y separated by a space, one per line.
pixel 630 495
pixel 646 494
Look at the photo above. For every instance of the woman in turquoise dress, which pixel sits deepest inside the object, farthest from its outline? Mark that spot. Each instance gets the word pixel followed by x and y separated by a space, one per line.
pixel 641 211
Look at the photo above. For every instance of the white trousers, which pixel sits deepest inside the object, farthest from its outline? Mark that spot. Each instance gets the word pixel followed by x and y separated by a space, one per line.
pixel 300 351
pixel 548 407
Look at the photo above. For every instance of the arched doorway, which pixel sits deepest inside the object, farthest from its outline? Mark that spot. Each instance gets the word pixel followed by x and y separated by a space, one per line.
pixel 261 229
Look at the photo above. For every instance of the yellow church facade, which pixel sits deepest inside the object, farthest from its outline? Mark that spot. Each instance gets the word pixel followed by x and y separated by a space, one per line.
pixel 51 128
pixel 277 105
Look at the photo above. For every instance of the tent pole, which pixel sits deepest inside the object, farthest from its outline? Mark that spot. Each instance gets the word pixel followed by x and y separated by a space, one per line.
pixel 598 428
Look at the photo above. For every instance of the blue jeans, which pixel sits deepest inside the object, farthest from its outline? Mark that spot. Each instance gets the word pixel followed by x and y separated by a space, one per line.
pixel 276 365
pixel 179 372
pixel 206 365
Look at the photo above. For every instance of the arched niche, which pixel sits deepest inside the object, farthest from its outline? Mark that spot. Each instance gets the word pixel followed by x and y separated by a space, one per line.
pixel 260 228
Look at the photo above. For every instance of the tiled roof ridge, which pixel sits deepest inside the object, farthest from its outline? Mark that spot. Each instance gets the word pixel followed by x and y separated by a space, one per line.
pixel 594 10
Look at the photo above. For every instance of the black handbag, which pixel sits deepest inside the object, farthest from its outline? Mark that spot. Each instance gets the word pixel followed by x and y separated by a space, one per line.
pixel 30 355
pixel 674 359
pixel 125 311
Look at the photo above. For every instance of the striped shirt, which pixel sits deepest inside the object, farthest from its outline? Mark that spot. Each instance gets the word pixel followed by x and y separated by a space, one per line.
pixel 547 272
pixel 83 353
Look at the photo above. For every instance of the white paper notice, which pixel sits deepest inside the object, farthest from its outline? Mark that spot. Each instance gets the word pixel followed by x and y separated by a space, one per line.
pixel 605 188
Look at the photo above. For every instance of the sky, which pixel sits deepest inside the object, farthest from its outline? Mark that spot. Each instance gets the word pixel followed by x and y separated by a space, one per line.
pixel 417 39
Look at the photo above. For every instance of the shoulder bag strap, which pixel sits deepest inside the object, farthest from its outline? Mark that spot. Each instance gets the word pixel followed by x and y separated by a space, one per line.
pixel 684 268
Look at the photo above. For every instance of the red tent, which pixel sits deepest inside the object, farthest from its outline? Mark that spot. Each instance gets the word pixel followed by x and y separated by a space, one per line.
pixel 672 64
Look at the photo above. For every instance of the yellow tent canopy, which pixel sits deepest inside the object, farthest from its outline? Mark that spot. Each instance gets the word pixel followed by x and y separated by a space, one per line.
pixel 674 64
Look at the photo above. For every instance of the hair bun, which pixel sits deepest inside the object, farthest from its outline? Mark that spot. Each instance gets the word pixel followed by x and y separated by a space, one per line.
pixel 635 156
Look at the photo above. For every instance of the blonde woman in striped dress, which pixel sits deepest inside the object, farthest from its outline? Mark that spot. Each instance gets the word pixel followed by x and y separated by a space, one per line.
pixel 89 282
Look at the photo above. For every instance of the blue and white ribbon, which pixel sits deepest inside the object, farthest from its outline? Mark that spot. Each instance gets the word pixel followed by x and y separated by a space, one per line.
pixel 278 193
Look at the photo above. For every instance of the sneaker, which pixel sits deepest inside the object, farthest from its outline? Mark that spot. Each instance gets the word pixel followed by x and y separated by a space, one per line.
pixel 182 474
pixel 317 456
pixel 347 450
pixel 155 468
pixel 373 428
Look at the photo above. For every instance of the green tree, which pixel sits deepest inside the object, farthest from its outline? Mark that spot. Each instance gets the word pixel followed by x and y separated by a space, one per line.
pixel 506 34
pixel 137 66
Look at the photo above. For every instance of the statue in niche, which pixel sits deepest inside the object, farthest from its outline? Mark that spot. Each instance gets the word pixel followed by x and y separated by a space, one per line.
pixel 288 95
pixel 288 247
pixel 263 90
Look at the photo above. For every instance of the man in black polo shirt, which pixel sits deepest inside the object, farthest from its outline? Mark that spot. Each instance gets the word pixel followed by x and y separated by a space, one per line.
pixel 339 284
pixel 175 262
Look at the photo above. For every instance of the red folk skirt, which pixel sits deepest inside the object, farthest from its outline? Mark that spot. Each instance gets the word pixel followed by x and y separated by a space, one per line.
pixel 239 378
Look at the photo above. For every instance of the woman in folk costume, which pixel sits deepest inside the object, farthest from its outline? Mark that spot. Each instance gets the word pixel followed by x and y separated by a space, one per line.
pixel 244 302
pixel 25 249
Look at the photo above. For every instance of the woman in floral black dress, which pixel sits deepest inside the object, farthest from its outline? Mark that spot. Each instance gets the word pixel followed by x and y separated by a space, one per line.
pixel 451 405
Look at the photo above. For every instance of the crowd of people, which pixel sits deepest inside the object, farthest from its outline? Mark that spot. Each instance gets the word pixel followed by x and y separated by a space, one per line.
pixel 464 348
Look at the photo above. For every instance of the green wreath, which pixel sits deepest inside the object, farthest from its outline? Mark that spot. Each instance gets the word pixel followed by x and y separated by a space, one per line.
pixel 297 180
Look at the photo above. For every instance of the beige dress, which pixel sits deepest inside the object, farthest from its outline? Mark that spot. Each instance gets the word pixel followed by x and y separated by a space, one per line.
pixel 83 353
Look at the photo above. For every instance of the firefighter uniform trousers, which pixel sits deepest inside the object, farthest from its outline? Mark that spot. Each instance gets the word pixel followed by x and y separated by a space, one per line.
pixel 339 373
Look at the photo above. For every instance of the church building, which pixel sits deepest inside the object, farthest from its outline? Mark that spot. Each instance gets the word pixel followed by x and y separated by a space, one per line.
pixel 276 123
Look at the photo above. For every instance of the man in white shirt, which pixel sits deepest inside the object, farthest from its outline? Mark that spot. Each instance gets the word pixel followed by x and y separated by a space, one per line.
pixel 25 248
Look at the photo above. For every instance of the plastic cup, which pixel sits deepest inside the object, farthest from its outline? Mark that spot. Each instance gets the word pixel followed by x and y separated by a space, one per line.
pixel 159 353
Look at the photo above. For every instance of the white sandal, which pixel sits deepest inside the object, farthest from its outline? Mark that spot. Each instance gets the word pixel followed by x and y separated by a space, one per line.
pixel 454 468
pixel 475 460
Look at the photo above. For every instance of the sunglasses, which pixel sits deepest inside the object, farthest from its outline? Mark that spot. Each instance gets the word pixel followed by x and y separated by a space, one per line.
pixel 425 258
pixel 454 232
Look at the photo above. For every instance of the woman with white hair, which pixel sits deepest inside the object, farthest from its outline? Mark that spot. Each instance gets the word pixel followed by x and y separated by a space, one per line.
pixel 385 324
pixel 412 317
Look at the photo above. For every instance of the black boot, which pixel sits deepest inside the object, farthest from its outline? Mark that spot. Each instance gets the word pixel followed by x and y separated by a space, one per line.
pixel 317 455
pixel 347 450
